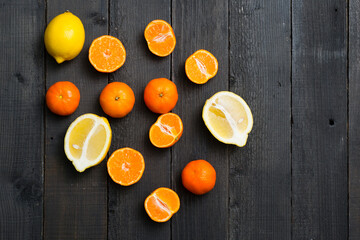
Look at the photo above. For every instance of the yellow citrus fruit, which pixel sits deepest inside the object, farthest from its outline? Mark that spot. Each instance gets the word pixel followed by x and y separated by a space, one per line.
pixel 228 118
pixel 87 141
pixel 64 37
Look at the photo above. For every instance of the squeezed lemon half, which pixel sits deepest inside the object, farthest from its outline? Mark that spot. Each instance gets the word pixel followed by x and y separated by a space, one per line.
pixel 228 118
pixel 87 141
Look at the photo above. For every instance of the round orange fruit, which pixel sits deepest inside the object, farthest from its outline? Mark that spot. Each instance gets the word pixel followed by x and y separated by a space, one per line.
pixel 160 95
pixel 107 54
pixel 201 66
pixel 160 38
pixel 117 99
pixel 126 166
pixel 166 131
pixel 63 98
pixel 199 177
pixel 162 204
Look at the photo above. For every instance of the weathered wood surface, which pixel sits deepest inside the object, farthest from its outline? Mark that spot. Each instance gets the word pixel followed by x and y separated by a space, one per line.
pixel 22 89
pixel 319 112
pixel 260 72
pixel 354 120
pixel 294 62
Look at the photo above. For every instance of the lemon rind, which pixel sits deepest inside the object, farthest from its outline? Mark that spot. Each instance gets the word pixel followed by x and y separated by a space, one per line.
pixel 238 139
pixel 82 164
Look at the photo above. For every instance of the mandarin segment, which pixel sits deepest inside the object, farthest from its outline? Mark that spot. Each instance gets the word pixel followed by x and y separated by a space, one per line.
pixel 201 66
pixel 166 131
pixel 126 166
pixel 160 38
pixel 162 204
pixel 107 54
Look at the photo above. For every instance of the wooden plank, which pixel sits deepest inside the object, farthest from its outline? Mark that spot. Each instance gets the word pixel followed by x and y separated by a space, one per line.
pixel 260 172
pixel 21 121
pixel 127 216
pixel 199 25
pixel 75 203
pixel 319 130
pixel 354 119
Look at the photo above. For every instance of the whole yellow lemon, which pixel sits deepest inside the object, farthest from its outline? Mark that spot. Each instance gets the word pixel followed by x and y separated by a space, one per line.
pixel 64 37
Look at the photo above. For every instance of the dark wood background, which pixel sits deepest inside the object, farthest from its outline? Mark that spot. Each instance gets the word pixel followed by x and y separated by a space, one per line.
pixel 296 63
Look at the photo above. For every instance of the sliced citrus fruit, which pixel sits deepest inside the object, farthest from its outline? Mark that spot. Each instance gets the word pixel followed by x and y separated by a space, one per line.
pixel 228 118
pixel 160 38
pixel 162 204
pixel 126 166
pixel 166 131
pixel 107 54
pixel 201 66
pixel 87 141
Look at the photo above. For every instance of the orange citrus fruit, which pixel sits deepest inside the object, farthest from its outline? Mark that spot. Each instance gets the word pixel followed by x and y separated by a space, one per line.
pixel 117 99
pixel 199 177
pixel 162 204
pixel 126 166
pixel 160 38
pixel 160 95
pixel 201 66
pixel 63 98
pixel 166 131
pixel 107 54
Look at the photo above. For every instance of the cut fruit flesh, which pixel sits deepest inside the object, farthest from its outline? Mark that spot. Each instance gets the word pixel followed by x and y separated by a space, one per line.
pixel 126 166
pixel 166 131
pixel 160 38
pixel 201 66
pixel 162 204
pixel 228 118
pixel 87 141
pixel 159 209
pixel 107 54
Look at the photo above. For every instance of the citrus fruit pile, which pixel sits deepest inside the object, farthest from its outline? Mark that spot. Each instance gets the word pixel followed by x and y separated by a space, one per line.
pixel 88 138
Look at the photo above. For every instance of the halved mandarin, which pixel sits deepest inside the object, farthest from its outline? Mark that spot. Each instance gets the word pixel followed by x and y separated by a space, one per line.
pixel 162 204
pixel 166 131
pixel 126 166
pixel 201 66
pixel 160 38
pixel 107 54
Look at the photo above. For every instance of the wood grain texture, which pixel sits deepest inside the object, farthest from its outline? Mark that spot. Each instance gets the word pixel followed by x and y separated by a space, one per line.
pixel 319 130
pixel 199 25
pixel 21 119
pixel 354 119
pixel 75 203
pixel 260 172
pixel 127 216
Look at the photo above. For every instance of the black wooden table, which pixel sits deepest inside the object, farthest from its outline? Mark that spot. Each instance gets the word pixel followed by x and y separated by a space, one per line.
pixel 296 63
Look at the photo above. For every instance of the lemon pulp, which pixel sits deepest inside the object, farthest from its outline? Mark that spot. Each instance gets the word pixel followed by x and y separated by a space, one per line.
pixel 228 118
pixel 87 141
